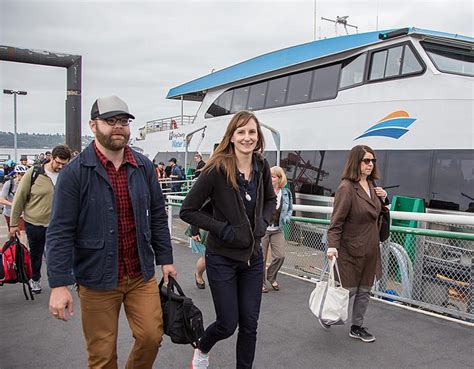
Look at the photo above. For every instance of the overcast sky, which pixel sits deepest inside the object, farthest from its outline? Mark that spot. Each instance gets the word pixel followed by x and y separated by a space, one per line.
pixel 139 50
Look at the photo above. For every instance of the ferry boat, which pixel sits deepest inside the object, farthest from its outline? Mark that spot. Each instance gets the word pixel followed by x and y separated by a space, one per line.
pixel 407 93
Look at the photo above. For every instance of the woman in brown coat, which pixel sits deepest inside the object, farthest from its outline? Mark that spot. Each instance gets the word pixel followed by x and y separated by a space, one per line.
pixel 353 235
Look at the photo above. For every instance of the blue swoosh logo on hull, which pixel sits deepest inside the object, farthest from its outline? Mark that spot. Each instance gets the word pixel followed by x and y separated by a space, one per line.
pixel 395 125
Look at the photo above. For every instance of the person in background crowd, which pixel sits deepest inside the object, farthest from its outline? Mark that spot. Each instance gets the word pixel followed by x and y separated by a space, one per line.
pixel 199 164
pixel 160 171
pixel 7 195
pixel 47 156
pixel 274 238
pixel 237 181
pixel 34 200
pixel 198 239
pixel 8 167
pixel 176 175
pixel 113 260
pixel 24 160
pixel 168 171
pixel 75 153
pixel 39 159
pixel 353 235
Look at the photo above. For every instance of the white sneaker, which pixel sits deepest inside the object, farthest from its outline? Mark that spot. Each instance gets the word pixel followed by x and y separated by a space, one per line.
pixel 35 286
pixel 200 360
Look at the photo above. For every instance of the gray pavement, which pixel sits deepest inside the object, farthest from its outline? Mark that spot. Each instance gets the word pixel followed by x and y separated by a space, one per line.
pixel 289 337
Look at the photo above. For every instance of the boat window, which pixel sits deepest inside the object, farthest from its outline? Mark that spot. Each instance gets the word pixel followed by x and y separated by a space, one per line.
pixel 276 92
pixel 410 62
pixel 298 89
pixel 352 73
pixel 257 96
pixel 377 69
pixel 239 100
pixel 394 62
pixel 325 82
pixel 453 180
pixel 221 106
pixel 451 59
pixel 402 178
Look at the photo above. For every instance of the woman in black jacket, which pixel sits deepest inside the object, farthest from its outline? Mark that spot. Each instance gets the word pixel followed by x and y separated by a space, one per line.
pixel 237 181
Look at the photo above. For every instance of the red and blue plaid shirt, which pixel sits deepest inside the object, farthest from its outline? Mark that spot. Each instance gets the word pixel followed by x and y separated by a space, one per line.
pixel 128 262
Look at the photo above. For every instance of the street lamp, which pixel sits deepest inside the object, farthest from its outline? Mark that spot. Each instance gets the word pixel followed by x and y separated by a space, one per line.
pixel 14 93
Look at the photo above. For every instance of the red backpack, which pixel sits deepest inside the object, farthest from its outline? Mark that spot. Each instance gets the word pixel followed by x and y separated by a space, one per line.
pixel 15 266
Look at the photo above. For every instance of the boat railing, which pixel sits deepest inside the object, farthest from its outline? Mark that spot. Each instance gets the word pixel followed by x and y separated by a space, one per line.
pixel 424 269
pixel 165 124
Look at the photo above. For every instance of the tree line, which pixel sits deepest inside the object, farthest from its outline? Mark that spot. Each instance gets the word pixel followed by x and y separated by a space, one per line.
pixel 36 140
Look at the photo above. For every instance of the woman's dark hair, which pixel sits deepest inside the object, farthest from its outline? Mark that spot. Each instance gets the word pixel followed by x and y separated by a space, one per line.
pixel 223 158
pixel 352 167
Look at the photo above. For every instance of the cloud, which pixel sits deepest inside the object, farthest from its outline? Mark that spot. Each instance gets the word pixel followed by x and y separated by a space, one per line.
pixel 139 50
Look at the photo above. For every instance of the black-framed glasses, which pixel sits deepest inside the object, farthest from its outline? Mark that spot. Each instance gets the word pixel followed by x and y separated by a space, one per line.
pixel 367 161
pixel 124 122
pixel 60 163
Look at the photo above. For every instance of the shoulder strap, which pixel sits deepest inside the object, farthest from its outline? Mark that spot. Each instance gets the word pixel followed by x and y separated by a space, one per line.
pixel 12 182
pixel 34 176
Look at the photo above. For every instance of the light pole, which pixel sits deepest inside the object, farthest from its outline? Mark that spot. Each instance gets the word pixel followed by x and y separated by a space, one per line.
pixel 15 141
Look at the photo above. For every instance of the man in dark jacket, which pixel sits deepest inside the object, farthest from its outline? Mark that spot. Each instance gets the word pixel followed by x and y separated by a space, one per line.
pixel 108 229
pixel 176 176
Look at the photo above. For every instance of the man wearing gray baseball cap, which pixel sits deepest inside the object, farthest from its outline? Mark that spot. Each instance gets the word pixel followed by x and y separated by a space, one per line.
pixel 108 230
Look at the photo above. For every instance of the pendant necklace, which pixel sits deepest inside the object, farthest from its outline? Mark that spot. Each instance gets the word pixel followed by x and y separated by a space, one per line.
pixel 245 185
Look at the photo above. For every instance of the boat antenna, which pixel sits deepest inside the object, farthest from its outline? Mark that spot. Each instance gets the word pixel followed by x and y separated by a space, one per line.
pixel 377 18
pixel 315 27
pixel 343 21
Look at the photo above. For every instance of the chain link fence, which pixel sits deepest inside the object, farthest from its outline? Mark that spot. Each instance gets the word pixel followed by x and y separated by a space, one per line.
pixel 429 269
pixel 424 268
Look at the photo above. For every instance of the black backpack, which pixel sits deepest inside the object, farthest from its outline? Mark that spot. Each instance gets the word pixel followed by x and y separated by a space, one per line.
pixel 182 320
pixel 182 175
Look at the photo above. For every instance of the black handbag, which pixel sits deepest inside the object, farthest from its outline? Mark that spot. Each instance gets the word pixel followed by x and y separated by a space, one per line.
pixel 182 320
pixel 384 220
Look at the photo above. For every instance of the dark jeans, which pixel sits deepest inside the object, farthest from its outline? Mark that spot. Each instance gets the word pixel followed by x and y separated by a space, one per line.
pixel 236 291
pixel 36 240
pixel 176 187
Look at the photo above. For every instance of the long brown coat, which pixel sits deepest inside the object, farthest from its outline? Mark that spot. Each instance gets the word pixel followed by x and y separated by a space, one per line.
pixel 354 231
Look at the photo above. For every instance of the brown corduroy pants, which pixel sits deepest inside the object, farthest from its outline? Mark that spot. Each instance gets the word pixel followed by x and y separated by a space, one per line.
pixel 100 317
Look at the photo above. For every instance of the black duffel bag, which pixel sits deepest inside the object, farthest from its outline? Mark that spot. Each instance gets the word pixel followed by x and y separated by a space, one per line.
pixel 182 320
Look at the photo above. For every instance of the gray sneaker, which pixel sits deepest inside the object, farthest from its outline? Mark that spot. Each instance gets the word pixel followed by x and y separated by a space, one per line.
pixel 35 286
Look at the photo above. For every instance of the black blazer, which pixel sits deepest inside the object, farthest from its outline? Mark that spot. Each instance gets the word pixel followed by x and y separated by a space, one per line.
pixel 228 208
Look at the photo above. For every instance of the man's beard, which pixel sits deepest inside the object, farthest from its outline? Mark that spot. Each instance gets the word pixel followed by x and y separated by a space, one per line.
pixel 112 144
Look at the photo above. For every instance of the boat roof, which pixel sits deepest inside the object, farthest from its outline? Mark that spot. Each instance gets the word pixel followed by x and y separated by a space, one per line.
pixel 195 90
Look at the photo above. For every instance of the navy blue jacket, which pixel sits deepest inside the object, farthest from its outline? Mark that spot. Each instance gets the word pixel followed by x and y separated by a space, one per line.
pixel 81 241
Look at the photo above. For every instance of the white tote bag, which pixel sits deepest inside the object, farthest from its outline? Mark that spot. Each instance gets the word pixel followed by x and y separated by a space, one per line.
pixel 328 302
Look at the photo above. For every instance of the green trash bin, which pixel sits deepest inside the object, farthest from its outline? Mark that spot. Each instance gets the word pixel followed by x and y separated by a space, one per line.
pixel 408 241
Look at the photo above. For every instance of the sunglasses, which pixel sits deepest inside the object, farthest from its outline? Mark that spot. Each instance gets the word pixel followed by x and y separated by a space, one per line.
pixel 367 161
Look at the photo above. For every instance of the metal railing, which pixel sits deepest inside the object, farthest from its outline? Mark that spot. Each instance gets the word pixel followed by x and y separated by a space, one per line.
pixel 424 268
pixel 165 124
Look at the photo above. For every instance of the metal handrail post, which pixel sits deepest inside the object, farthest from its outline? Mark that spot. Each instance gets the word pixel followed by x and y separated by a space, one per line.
pixel 187 139
pixel 277 139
